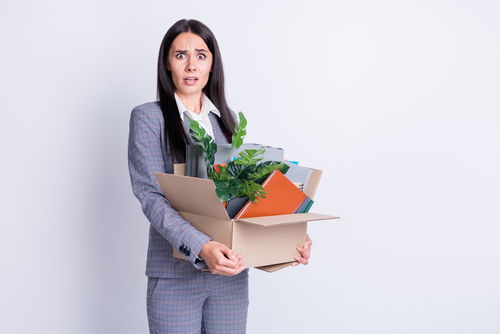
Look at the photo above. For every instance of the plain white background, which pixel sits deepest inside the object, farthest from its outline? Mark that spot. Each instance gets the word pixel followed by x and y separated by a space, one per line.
pixel 396 101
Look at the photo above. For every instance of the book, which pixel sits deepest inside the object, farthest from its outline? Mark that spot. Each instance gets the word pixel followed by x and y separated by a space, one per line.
pixel 305 206
pixel 235 205
pixel 283 197
pixel 298 173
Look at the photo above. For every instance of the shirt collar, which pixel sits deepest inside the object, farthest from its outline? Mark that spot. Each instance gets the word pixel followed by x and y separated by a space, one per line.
pixel 206 106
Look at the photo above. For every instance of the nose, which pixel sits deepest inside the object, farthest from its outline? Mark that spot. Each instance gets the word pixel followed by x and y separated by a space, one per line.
pixel 190 66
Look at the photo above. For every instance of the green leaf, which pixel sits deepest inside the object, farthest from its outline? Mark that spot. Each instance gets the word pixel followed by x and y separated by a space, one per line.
pixel 284 169
pixel 249 156
pixel 240 171
pixel 238 135
pixel 223 173
pixel 239 132
pixel 210 153
pixel 225 189
pixel 252 190
pixel 262 173
pixel 205 143
pixel 196 131
pixel 234 169
pixel 267 163
pixel 222 190
pixel 211 173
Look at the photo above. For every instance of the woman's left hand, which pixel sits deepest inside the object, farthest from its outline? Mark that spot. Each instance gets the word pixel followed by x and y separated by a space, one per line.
pixel 305 253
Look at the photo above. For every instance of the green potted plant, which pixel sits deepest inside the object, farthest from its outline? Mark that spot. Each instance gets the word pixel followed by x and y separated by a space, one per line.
pixel 241 177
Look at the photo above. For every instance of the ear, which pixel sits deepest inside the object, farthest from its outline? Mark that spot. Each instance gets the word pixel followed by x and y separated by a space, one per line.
pixel 168 67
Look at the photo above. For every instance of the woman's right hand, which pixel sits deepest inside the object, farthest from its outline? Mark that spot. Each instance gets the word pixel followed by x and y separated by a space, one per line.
pixel 221 259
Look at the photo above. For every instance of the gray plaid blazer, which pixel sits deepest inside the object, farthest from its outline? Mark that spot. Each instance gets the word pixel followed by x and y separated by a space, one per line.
pixel 148 153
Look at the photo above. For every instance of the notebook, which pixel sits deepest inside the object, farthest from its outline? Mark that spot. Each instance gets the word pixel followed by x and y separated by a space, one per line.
pixel 298 174
pixel 283 197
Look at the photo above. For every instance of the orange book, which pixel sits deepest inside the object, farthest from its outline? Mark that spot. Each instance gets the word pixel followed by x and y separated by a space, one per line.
pixel 283 197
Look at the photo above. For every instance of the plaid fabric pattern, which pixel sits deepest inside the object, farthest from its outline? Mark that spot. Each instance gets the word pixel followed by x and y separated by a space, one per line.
pixel 202 303
pixel 148 153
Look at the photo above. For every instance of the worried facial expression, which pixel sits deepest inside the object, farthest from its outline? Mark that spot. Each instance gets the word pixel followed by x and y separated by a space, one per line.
pixel 190 63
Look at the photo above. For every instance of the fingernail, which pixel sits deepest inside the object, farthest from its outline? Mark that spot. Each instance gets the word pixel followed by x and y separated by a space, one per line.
pixel 297 258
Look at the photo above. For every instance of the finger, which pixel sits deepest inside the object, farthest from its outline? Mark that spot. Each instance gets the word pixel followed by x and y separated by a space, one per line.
pixel 228 259
pixel 221 270
pixel 224 263
pixel 221 265
pixel 224 266
pixel 228 252
pixel 308 243
pixel 301 260
pixel 240 269
pixel 306 254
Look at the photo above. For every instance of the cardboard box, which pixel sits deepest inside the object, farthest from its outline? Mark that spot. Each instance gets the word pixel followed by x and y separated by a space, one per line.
pixel 268 243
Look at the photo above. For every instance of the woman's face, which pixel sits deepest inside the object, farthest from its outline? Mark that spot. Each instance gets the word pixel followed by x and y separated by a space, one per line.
pixel 190 63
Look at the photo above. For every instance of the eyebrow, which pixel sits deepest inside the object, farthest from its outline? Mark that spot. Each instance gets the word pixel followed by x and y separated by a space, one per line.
pixel 183 51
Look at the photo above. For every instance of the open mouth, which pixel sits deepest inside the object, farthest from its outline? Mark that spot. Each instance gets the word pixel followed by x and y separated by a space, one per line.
pixel 190 80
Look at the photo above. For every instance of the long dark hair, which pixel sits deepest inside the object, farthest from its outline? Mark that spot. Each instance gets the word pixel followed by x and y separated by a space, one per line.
pixel 176 137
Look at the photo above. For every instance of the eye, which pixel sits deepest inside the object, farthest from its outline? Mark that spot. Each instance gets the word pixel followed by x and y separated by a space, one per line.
pixel 201 56
pixel 180 56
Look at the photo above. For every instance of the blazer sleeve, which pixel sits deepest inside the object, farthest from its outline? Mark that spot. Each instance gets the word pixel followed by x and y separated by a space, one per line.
pixel 145 156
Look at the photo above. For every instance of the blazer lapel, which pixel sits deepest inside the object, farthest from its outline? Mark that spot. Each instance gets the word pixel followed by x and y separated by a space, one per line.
pixel 185 123
pixel 219 136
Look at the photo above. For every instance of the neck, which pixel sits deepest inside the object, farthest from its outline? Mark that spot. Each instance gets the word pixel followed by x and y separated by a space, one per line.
pixel 190 101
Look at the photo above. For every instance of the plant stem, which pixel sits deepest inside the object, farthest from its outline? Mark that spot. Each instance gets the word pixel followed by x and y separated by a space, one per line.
pixel 231 150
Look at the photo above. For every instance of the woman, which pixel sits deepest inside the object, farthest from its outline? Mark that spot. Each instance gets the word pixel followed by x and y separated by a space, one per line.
pixel 182 298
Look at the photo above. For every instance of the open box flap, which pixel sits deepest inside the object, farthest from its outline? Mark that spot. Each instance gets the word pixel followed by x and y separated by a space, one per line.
pixel 296 218
pixel 192 195
pixel 312 185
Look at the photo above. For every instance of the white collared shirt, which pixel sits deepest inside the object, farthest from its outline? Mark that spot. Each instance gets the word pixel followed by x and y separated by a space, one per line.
pixel 202 118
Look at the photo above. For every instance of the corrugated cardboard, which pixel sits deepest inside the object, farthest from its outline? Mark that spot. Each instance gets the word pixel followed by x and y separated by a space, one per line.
pixel 266 242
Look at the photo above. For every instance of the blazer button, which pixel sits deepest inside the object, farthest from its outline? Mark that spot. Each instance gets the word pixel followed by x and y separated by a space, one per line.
pixel 182 249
